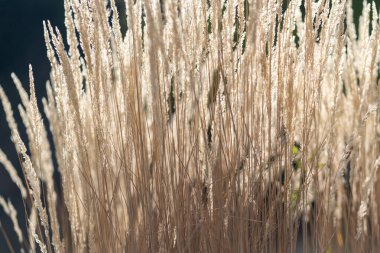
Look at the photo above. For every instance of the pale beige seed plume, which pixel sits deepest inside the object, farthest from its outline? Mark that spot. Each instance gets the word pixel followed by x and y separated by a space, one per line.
pixel 12 213
pixel 13 174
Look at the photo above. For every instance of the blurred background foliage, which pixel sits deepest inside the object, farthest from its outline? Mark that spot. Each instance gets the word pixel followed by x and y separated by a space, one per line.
pixel 22 43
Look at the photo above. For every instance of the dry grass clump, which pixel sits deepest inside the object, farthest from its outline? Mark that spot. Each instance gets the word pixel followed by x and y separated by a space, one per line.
pixel 211 126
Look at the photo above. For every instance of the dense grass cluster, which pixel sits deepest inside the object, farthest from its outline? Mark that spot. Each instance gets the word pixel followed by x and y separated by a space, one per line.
pixel 210 126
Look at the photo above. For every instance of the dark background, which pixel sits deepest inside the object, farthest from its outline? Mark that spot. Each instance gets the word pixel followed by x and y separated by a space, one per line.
pixel 22 43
